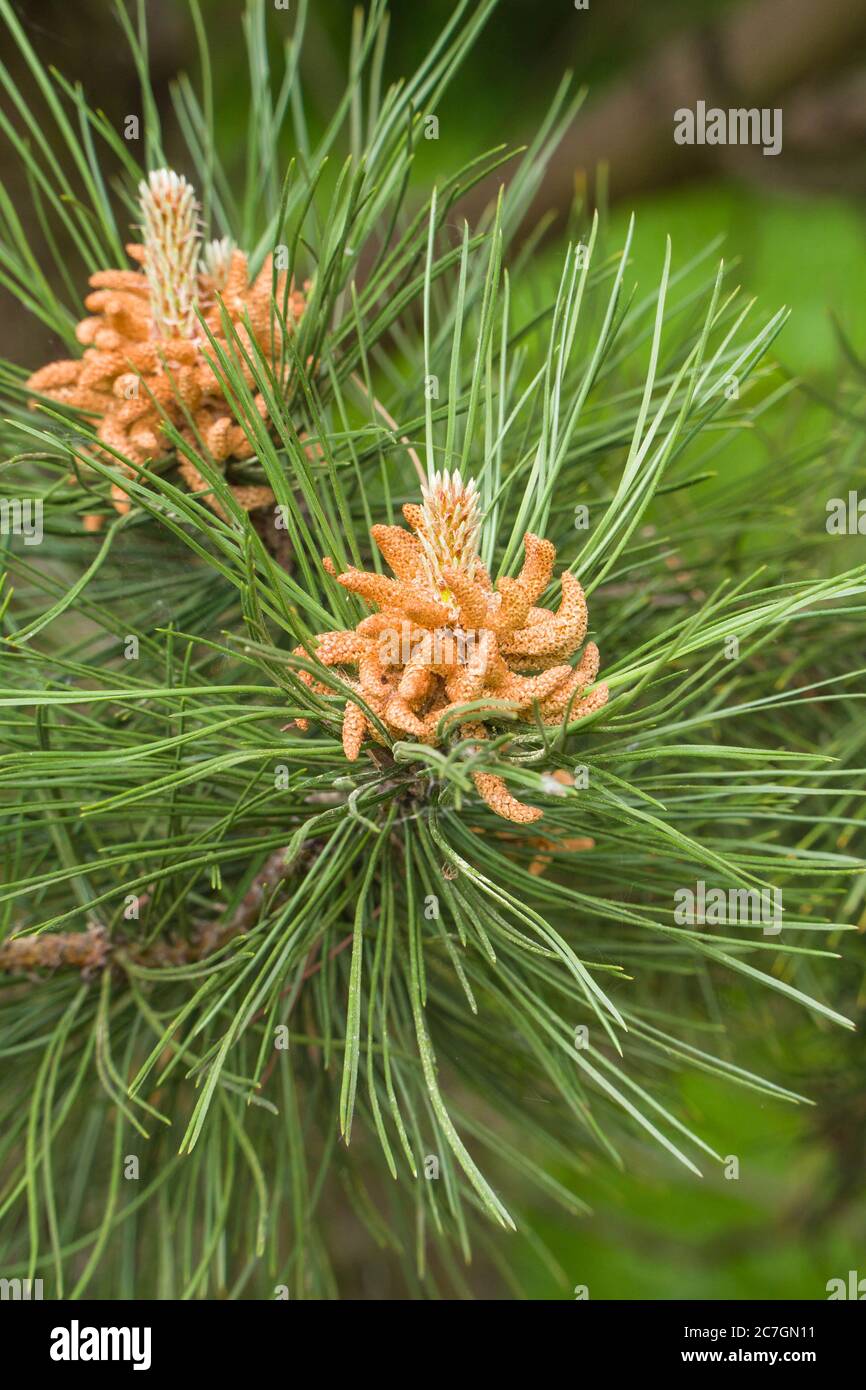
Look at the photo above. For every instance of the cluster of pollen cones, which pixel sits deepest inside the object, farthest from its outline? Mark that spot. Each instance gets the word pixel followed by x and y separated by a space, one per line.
pixel 444 637
pixel 144 362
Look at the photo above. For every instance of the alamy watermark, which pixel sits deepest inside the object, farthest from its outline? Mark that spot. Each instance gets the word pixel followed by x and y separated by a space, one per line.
pixel 702 906
pixel 846 516
pixel 77 1343
pixel 20 1289
pixel 852 1287
pixel 441 647
pixel 737 126
pixel 22 517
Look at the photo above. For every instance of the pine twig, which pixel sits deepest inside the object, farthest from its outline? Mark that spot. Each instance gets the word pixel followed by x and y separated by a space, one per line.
pixel 91 951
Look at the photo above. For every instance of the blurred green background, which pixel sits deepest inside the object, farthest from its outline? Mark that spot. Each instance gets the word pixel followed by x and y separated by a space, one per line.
pixel 796 220
pixel 797 1214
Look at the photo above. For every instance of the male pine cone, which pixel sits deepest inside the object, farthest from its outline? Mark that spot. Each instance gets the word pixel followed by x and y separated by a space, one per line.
pixel 444 637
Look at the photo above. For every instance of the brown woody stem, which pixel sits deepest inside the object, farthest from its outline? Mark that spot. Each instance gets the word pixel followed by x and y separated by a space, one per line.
pixel 91 951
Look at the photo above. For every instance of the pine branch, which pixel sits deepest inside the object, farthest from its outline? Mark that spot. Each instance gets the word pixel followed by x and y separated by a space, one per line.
pixel 93 951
